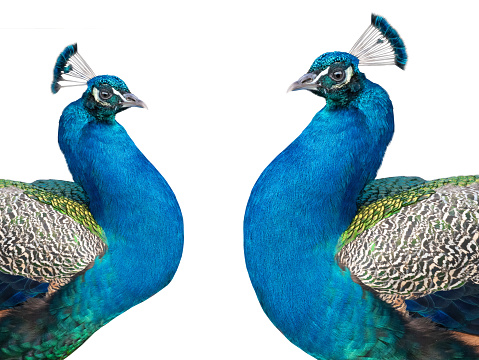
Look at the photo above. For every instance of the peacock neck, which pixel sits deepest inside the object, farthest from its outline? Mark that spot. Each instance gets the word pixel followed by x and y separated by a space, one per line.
pixel 297 211
pixel 315 181
pixel 133 204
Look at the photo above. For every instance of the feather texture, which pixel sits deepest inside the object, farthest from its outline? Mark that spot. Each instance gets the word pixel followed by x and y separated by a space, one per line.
pixel 43 241
pixel 425 247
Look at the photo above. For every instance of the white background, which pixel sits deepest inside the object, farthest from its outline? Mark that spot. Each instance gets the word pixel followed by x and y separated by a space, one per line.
pixel 214 75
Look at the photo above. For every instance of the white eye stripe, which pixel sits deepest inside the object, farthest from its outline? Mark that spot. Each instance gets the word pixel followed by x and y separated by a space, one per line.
pixel 96 95
pixel 349 74
pixel 324 72
pixel 347 78
pixel 116 92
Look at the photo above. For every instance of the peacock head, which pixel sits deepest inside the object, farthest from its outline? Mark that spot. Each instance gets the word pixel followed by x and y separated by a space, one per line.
pixel 336 76
pixel 105 96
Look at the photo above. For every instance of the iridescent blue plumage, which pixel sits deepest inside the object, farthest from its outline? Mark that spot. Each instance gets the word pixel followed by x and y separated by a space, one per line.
pixel 306 200
pixel 15 290
pixel 325 60
pixel 456 309
pixel 120 200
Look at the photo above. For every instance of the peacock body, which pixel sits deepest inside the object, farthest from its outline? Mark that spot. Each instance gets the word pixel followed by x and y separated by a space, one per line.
pixel 76 255
pixel 349 267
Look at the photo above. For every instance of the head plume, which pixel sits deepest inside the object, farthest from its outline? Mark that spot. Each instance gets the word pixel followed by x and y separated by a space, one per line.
pixel 380 44
pixel 70 70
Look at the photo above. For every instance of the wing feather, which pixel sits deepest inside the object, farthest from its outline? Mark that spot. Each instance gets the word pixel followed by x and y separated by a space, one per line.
pixel 421 254
pixel 45 238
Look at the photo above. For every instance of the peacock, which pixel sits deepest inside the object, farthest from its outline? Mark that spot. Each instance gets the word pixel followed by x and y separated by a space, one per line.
pixel 74 255
pixel 349 267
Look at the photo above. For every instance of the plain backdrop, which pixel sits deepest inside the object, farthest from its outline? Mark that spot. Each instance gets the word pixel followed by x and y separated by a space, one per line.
pixel 214 75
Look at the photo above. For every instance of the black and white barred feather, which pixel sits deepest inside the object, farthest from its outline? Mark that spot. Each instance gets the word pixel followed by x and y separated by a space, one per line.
pixel 40 243
pixel 429 246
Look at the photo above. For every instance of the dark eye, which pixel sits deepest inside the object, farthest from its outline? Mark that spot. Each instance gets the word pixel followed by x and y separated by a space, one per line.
pixel 337 75
pixel 105 95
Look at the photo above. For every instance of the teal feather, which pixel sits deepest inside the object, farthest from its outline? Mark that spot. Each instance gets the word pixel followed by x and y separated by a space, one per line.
pixel 67 189
pixel 388 187
pixel 392 35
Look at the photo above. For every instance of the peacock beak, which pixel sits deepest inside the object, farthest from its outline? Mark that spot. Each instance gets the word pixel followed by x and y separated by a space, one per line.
pixel 129 100
pixel 305 82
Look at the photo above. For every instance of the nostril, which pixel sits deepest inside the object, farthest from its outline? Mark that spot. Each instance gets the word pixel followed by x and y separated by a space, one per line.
pixel 307 78
pixel 130 97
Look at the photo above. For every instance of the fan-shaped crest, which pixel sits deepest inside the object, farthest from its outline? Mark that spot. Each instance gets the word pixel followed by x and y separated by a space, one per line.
pixel 380 44
pixel 70 66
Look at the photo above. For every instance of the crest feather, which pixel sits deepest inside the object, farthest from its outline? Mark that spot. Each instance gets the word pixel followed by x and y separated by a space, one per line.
pixel 380 44
pixel 69 66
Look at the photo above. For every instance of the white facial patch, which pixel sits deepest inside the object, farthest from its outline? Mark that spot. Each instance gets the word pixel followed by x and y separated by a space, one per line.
pixel 96 95
pixel 347 78
pixel 116 92
pixel 324 72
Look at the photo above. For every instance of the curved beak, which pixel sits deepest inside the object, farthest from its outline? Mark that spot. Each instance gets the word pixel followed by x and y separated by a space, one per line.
pixel 129 100
pixel 305 82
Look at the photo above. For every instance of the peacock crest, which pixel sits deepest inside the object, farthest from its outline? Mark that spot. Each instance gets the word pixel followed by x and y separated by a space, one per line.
pixel 380 44
pixel 70 69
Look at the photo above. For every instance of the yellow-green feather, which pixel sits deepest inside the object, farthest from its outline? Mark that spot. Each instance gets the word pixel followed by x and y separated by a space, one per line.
pixel 78 212
pixel 369 215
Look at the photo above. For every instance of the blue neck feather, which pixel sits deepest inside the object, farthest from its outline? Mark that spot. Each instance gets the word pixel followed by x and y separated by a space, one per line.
pixel 297 211
pixel 135 207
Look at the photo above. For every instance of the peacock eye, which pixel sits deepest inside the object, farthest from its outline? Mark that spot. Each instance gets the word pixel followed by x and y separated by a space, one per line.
pixel 337 75
pixel 105 95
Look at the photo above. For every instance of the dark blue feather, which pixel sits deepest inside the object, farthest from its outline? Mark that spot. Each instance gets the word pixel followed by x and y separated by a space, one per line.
pixel 392 35
pixel 61 66
pixel 454 309
pixel 16 289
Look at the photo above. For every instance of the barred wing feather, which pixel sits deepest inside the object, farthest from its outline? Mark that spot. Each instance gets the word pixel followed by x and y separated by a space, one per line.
pixel 44 239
